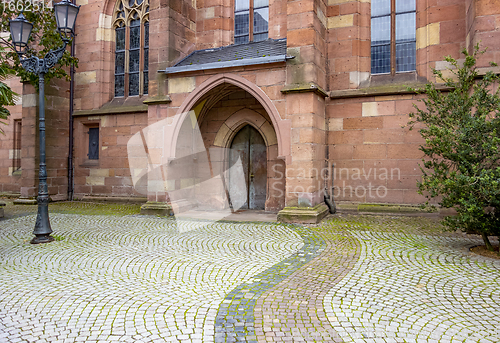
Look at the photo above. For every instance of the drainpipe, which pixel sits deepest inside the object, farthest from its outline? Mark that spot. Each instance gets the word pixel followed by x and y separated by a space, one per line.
pixel 71 99
pixel 328 193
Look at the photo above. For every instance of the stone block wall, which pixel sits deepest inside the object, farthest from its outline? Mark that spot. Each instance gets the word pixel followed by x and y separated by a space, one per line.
pixel 328 109
pixel 10 180
pixel 375 156
pixel 110 174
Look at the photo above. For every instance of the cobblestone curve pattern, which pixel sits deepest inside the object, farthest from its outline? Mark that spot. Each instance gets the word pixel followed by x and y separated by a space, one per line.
pixel 293 310
pixel 235 320
pixel 128 279
pixel 417 288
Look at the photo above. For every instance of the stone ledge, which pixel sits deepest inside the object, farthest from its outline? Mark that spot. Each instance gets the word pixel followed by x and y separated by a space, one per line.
pixel 382 208
pixel 116 106
pixel 111 199
pixel 304 87
pixel 381 90
pixel 112 110
pixel 25 201
pixel 157 100
pixel 9 195
pixel 157 208
pixel 303 215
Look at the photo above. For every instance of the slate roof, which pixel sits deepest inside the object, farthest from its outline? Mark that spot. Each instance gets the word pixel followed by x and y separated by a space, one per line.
pixel 268 51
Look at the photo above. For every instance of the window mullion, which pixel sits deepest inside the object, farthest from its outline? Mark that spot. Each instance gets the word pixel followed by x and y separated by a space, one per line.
pixel 127 58
pixel 141 58
pixel 393 37
pixel 250 24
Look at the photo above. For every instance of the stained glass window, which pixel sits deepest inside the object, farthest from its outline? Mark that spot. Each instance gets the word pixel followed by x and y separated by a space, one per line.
pixel 131 47
pixel 393 36
pixel 146 58
pixel 251 20
pixel 120 62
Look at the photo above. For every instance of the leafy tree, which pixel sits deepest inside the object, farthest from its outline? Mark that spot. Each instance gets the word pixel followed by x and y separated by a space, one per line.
pixel 461 128
pixel 44 37
pixel 6 94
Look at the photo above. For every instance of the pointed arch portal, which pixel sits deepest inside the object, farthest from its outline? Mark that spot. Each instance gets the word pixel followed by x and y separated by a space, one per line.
pixel 280 126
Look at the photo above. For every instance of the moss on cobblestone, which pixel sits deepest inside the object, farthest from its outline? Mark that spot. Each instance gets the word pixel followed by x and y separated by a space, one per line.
pixel 396 224
pixel 74 207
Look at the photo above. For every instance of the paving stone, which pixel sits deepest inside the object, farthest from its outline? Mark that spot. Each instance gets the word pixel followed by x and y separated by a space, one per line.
pixel 146 279
pixel 425 281
pixel 109 268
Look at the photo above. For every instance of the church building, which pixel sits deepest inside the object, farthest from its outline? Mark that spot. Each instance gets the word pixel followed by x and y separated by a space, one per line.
pixel 271 105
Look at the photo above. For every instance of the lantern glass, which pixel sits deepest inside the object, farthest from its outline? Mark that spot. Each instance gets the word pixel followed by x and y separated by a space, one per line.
pixel 66 14
pixel 20 31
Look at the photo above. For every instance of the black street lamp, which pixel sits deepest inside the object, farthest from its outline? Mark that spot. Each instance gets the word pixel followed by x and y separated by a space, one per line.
pixel 20 30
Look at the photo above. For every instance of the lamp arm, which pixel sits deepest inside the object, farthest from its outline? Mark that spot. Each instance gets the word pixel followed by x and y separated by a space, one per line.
pixel 36 65
pixel 31 65
pixel 52 57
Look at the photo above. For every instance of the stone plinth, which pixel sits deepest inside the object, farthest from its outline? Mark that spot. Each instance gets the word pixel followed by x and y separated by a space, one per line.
pixel 157 208
pixel 303 215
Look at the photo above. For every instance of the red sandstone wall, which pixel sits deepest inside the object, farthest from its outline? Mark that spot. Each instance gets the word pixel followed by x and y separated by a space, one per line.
pixel 376 157
pixel 10 183
pixel 110 174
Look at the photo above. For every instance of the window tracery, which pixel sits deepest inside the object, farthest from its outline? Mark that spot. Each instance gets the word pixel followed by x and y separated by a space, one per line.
pixel 131 25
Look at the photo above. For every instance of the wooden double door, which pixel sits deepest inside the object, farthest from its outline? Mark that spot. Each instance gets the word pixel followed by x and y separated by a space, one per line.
pixel 248 172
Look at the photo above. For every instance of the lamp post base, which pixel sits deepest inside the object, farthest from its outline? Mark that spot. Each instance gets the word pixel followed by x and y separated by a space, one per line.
pixel 39 239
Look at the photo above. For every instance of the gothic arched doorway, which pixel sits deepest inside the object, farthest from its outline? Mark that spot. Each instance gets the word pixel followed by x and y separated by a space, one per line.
pixel 248 191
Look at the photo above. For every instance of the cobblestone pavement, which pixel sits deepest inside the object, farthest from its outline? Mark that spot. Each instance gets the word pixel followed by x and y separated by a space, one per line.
pixel 128 279
pixel 293 310
pixel 146 279
pixel 416 288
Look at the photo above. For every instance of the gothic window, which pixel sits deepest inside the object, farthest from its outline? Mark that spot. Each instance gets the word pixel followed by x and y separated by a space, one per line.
pixel 131 47
pixel 393 36
pixel 251 20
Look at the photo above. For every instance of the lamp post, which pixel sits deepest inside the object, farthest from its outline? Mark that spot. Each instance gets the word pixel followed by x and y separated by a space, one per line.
pixel 20 30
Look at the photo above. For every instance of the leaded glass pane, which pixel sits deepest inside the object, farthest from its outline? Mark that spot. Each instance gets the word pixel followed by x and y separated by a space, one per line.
pixel 146 34
pixel 406 57
pixel 133 61
pixel 135 37
pixel 260 20
pixel 241 5
pixel 119 85
pixel 120 39
pixel 120 62
pixel 146 80
pixel 381 59
pixel 405 27
pixel 381 30
pixel 241 25
pixel 381 7
pixel 260 37
pixel 131 2
pixel 146 59
pixel 133 84
pixel 405 6
pixel 241 40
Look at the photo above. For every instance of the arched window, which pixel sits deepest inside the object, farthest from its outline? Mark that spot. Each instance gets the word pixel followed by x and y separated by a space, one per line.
pixel 132 46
